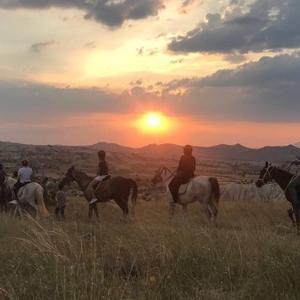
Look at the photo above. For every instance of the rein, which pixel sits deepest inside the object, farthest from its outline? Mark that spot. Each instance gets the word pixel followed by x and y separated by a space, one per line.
pixel 166 170
pixel 265 175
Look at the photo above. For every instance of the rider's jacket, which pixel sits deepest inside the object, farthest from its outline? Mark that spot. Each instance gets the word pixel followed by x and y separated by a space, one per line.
pixel 187 166
pixel 102 168
pixel 25 174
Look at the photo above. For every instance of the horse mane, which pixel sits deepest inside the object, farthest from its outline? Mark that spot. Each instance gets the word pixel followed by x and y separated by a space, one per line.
pixel 283 172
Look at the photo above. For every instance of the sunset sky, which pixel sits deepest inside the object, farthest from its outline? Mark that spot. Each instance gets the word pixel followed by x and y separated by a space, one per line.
pixel 136 72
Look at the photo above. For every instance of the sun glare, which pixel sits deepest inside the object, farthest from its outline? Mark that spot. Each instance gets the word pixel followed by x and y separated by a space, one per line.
pixel 153 122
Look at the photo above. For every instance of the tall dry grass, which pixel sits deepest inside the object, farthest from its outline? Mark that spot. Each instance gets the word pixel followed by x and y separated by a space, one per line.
pixel 252 253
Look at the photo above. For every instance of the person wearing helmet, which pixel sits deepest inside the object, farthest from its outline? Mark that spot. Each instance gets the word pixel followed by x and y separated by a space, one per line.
pixel 102 174
pixel 185 171
pixel 24 176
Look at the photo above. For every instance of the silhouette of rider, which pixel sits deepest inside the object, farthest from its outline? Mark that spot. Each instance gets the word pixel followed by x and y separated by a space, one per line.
pixel 185 171
pixel 102 174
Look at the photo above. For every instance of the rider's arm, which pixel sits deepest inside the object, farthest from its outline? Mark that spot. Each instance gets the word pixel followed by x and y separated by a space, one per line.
pixel 19 175
pixel 180 165
pixel 194 165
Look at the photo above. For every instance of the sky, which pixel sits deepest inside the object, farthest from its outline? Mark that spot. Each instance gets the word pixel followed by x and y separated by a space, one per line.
pixel 77 72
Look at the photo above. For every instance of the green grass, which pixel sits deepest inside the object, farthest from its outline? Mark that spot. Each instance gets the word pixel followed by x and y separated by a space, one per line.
pixel 252 253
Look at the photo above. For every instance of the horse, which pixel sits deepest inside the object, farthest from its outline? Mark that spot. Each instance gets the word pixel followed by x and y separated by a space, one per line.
pixel 30 196
pixel 116 188
pixel 283 179
pixel 205 190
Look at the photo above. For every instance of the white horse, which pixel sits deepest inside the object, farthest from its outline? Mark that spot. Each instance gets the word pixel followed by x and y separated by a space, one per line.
pixel 32 194
pixel 203 189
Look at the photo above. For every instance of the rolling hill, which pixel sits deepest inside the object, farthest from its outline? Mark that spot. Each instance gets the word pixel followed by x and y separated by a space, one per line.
pixel 219 152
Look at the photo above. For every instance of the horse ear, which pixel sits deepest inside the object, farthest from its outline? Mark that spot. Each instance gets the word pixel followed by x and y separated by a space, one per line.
pixel 267 164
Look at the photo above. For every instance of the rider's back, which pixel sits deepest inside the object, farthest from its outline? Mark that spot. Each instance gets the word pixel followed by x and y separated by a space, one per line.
pixel 25 174
pixel 187 166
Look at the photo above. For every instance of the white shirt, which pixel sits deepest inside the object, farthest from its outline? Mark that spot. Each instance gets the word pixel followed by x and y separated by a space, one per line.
pixel 25 174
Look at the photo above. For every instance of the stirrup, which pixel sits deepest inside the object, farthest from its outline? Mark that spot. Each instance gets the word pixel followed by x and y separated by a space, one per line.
pixel 94 200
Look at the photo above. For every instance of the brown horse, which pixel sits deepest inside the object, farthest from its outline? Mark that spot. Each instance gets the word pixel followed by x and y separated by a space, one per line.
pixel 116 188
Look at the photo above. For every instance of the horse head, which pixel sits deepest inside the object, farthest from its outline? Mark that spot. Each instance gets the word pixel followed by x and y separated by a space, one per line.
pixel 160 174
pixel 265 175
pixel 69 176
pixel 157 178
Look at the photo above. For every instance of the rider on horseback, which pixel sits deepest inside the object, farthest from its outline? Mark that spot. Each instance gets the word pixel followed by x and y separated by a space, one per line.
pixel 24 176
pixel 102 174
pixel 185 172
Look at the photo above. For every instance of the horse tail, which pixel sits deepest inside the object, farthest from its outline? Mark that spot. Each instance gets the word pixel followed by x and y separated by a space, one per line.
pixel 39 196
pixel 215 195
pixel 134 190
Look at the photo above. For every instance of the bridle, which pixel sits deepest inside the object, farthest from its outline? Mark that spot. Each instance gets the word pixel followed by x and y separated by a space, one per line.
pixel 164 170
pixel 267 173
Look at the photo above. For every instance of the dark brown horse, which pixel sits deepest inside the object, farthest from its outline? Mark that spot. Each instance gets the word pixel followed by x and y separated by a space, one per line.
pixel 116 188
pixel 4 198
pixel 283 179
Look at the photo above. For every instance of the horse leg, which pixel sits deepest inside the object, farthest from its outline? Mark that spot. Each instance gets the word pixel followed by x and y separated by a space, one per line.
pixel 90 212
pixel 184 210
pixel 208 212
pixel 296 208
pixel 291 216
pixel 123 205
pixel 172 206
pixel 95 209
pixel 213 211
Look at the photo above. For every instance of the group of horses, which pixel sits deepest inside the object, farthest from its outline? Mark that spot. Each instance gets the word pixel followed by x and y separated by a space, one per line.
pixel 202 189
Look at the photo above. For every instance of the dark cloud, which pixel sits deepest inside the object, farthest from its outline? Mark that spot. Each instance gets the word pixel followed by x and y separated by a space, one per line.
pixel 187 4
pixel 112 13
pixel 29 102
pixel 266 91
pixel 38 47
pixel 263 25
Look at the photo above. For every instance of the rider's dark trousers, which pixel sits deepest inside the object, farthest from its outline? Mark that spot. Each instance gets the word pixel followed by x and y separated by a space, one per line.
pixel 60 212
pixel 175 184
pixel 17 186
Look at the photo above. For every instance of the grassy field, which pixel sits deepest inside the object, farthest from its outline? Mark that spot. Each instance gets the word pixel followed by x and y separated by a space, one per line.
pixel 252 253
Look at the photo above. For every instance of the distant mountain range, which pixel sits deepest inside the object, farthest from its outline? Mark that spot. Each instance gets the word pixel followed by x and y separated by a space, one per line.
pixel 219 152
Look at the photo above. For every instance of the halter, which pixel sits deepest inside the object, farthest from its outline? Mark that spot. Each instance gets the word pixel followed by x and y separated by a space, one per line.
pixel 266 173
pixel 165 170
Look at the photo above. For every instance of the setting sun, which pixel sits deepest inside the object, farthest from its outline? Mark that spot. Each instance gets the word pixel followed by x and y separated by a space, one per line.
pixel 154 122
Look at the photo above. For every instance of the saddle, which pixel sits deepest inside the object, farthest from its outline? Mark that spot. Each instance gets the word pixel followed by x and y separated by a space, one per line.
pixel 20 191
pixel 100 182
